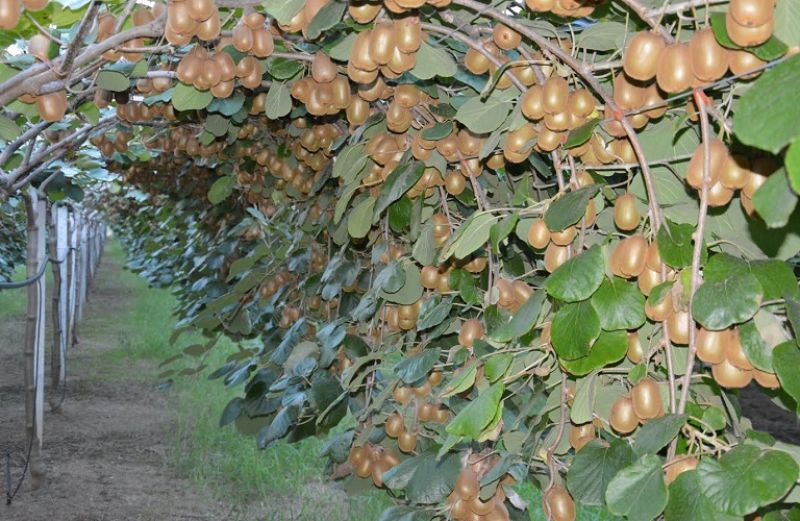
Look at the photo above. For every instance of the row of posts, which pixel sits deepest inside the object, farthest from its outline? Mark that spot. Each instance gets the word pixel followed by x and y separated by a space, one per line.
pixel 72 240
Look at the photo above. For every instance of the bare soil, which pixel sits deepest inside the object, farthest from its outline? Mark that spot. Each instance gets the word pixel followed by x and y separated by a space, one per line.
pixel 106 451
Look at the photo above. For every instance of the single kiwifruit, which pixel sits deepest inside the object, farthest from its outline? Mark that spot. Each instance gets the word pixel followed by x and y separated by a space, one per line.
pixel 555 94
pixel 695 171
pixel 10 12
pixel 628 94
pixel 540 6
pixel 394 425
pixel 731 377
pixel 467 485
pixel 678 327
pixel 548 140
pixel 565 236
pixel 751 13
pixel 178 18
pixel 674 73
pixel 558 504
pixel 734 353
pixel 242 38
pixel 365 12
pixel 709 58
pixel 735 171
pixel 555 256
pixel 558 121
pixel 581 103
pixel 454 183
pixel 407 441
pixel 505 37
pixel 223 89
pixel 678 466
pixel 635 351
pixel 470 331
pixel 749 36
pixel 538 234
pixel 711 345
pixel 653 98
pixel 719 195
pixel 382 43
pixel 647 280
pixel 623 418
pixel 661 310
pixel 764 379
pixel 34 5
pixel 642 55
pixel 39 46
pixel 408 34
pixel 200 10
pixel 476 62
pixel 626 216
pixel 357 111
pixel 323 70
pixel 646 400
pixel 631 254
pixel 402 394
pixel 263 43
pixel 742 62
pixel 580 435
pixel 53 106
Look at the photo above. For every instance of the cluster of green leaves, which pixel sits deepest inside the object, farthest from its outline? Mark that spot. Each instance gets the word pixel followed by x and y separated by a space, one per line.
pixel 12 237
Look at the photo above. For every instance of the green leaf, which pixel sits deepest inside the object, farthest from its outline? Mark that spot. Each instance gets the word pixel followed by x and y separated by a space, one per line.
pixel 478 414
pixel 655 434
pixel 501 230
pixel 603 36
pixel 433 312
pixel 569 208
pixel 786 361
pixel 495 367
pixel 284 10
pixel 330 14
pixel 594 466
pixel 746 478
pixel 360 219
pixel 412 289
pixel 582 409
pixel 438 131
pixel 638 491
pixel 610 347
pixel 575 326
pixel 424 250
pixel 470 236
pixel 279 101
pixel 186 97
pixel 228 106
pixel 767 51
pixel 792 161
pixel 113 81
pixel 220 190
pixel 687 502
pixel 425 480
pixel 757 351
pixel 349 162
pixel 484 116
pixel 763 120
pixel 522 322
pixel 416 367
pixel 433 61
pixel 341 50
pixel 675 244
pixel 400 214
pixel 216 125
pixel 463 381
pixel 720 304
pixel 397 184
pixel 581 135
pixel 775 276
pixel 579 277
pixel 774 201
pixel 9 130
pixel 619 304
pixel 787 20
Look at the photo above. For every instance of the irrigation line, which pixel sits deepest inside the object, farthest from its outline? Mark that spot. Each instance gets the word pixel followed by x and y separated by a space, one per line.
pixel 35 278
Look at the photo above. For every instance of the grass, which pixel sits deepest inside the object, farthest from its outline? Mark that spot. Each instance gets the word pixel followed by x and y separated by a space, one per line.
pixel 13 301
pixel 285 481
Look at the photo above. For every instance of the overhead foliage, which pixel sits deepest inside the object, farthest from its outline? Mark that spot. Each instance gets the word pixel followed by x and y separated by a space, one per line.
pixel 523 268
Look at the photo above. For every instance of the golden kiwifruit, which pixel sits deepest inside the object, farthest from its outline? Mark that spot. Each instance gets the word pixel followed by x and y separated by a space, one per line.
pixel 357 111
pixel 548 140
pixel 661 310
pixel 623 418
pixel 674 72
pixel 323 70
pixel 709 58
pixel 467 485
pixel 647 280
pixel 263 43
pixel 678 466
pixel 735 171
pixel 470 331
pixel 365 12
pixel 718 154
pixel 200 10
pixel 540 6
pixel 53 106
pixel 252 80
pixel 39 46
pixel 646 400
pixel 558 504
pixel 178 18
pixel 554 256
pixel 242 38
pixel 631 255
pixel 678 326
pixel 719 195
pixel 580 435
pixel 10 12
pixel 394 425
pixel 210 72
pixel 742 62
pixel 173 37
pixel 628 94
pixel 538 234
pixel 360 53
pixel 581 103
pixel 408 34
pixel 476 62
pixel 435 378
pixel 34 5
pixel 711 345
pixel 254 20
pixel 635 351
pixel 765 379
pixel 748 36
pixel 734 353
pixel 402 394
pixel 731 377
pixel 532 103
pixel 407 441
pixel 429 277
pixel 555 94
pixel 559 121
pixel 642 55
pixel 407 95
pixel 565 236
pixel 223 89
pixel 454 183
pixel 751 13
pixel 382 43
pixel 505 37
pixel 626 216
pixel 653 98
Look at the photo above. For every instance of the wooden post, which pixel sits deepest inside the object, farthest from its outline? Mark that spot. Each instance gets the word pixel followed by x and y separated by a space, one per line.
pixel 74 259
pixel 34 332
pixel 59 250
pixel 84 265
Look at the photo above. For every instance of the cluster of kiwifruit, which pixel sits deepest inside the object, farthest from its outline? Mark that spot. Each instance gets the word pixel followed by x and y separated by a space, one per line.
pixel 559 110
pixel 566 8
pixel 470 331
pixel 644 403
pixel 438 277
pixel 750 22
pixel 512 294
pixel 108 146
pixel 426 186
pixel 372 461
pixel 324 92
pixel 313 145
pixel 465 503
pixel 252 36
pixel 389 48
pixel 728 173
pixel 289 315
pixel 139 111
pixel 558 504
pixel 634 257
pixel 150 86
pixel 581 434
pixel 318 260
pixel 107 25
pixel 425 410
pixel 729 364
pixel 218 71
pixel 402 317
pixel 503 38
pixel 11 11
pixel 188 18
pixel 385 149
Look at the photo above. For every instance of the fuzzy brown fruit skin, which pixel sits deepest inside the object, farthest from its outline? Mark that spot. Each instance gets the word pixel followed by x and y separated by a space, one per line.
pixel 407 441
pixel 580 435
pixel 646 400
pixel 10 13
pixel 558 504
pixel 745 36
pixel 694 172
pixel 538 234
pixel 674 72
pixel 623 418
pixel 641 57
pixel 711 345
pixel 471 330
pixel 765 379
pixel 731 377
pixel 53 106
pixel 709 58
pixel 678 466
pixel 751 13
pixel 626 216
pixel 555 95
pixel 468 485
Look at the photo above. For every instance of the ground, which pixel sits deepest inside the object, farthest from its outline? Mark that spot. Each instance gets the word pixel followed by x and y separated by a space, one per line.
pixel 125 447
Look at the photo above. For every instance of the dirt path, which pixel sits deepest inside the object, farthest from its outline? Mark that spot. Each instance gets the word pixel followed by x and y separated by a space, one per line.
pixel 106 452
